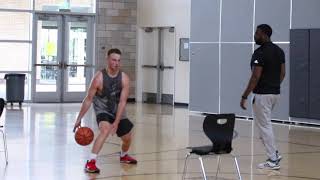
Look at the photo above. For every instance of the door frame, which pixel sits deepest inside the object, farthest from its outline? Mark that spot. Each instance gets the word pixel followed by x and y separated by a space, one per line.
pixel 140 66
pixel 61 94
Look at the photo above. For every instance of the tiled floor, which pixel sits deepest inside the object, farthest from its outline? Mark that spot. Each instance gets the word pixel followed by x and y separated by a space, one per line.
pixel 42 147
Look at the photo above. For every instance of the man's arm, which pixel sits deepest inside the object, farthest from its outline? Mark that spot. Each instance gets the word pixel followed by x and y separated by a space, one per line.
pixel 123 98
pixel 86 103
pixel 283 72
pixel 254 79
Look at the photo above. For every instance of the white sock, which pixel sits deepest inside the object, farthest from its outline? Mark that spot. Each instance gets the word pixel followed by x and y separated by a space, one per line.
pixel 122 154
pixel 93 156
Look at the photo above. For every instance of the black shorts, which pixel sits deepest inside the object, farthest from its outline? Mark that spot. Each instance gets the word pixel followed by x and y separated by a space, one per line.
pixel 124 127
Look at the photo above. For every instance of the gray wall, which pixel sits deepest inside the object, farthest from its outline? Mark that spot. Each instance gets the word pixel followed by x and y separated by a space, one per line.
pixel 220 51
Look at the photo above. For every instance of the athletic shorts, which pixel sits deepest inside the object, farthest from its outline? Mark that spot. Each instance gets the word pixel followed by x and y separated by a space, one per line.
pixel 124 127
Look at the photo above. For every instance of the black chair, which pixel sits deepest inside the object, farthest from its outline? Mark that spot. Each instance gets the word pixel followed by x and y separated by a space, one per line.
pixel 2 128
pixel 219 129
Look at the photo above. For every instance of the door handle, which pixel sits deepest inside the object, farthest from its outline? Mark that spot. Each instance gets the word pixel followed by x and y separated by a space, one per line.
pixel 168 67
pixel 149 66
pixel 62 65
pixel 47 65
pixel 78 65
pixel 162 67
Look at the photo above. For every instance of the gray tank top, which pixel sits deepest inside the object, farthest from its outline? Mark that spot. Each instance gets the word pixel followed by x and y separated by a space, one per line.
pixel 108 99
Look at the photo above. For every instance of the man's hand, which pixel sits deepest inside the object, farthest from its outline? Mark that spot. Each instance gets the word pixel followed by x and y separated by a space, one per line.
pixel 243 104
pixel 254 79
pixel 114 128
pixel 76 125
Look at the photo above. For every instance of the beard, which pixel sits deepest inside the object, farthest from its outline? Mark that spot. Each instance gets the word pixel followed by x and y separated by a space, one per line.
pixel 258 41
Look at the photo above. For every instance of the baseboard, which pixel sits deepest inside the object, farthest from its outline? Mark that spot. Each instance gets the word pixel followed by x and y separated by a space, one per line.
pixel 181 104
pixel 131 100
pixel 151 98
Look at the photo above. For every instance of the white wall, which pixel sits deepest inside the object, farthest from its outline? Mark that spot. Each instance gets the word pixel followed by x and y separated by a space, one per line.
pixel 160 13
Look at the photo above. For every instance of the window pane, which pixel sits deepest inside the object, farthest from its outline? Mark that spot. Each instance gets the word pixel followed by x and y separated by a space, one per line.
pixel 75 5
pixel 49 5
pixel 46 78
pixel 76 79
pixel 47 42
pixel 15 26
pixel 15 56
pixel 16 4
pixel 27 87
pixel 87 6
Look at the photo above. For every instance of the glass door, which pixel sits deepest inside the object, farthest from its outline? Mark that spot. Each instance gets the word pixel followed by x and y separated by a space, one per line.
pixel 62 56
pixel 78 50
pixel 46 54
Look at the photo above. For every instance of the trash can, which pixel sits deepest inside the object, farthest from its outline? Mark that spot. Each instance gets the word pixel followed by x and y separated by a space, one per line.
pixel 15 87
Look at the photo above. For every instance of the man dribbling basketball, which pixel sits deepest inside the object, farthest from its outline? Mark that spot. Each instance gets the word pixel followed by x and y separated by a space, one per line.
pixel 108 92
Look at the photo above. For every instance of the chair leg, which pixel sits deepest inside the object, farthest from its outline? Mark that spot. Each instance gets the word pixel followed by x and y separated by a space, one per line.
pixel 185 166
pixel 5 146
pixel 237 166
pixel 218 166
pixel 202 168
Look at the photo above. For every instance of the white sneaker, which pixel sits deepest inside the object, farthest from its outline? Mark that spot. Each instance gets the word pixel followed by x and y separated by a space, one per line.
pixel 269 164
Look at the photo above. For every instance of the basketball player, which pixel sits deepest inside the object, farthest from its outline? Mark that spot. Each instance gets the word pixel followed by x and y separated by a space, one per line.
pixel 108 92
pixel 268 71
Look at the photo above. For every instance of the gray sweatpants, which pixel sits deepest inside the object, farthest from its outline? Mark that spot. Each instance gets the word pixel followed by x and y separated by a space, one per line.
pixel 262 107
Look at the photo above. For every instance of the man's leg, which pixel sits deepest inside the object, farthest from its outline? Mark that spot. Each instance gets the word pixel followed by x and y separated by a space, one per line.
pixel 104 130
pixel 262 108
pixel 126 142
pixel 125 133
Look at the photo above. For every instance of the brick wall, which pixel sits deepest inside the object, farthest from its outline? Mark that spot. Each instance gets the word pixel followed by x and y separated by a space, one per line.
pixel 116 28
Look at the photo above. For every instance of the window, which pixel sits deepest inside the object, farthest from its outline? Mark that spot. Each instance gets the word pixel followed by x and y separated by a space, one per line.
pixel 16 35
pixel 86 6
pixel 15 26
pixel 16 4
pixel 15 56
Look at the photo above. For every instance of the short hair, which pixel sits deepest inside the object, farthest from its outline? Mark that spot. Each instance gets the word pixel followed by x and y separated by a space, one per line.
pixel 114 50
pixel 266 29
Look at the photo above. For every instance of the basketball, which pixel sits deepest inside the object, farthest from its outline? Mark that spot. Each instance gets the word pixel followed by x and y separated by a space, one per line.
pixel 84 136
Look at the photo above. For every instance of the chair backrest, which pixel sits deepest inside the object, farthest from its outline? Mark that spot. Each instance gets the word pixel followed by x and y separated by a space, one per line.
pixel 1 106
pixel 219 129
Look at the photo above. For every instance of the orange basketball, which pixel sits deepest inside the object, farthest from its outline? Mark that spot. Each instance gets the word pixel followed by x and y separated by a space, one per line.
pixel 84 136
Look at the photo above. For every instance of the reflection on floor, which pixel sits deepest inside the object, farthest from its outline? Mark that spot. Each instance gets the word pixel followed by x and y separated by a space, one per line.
pixel 41 146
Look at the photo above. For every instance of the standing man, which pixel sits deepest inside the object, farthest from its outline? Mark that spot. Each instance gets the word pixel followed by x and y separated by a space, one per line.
pixel 268 71
pixel 108 92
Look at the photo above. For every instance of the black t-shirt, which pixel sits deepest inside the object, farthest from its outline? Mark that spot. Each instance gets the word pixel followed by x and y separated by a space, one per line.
pixel 270 57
